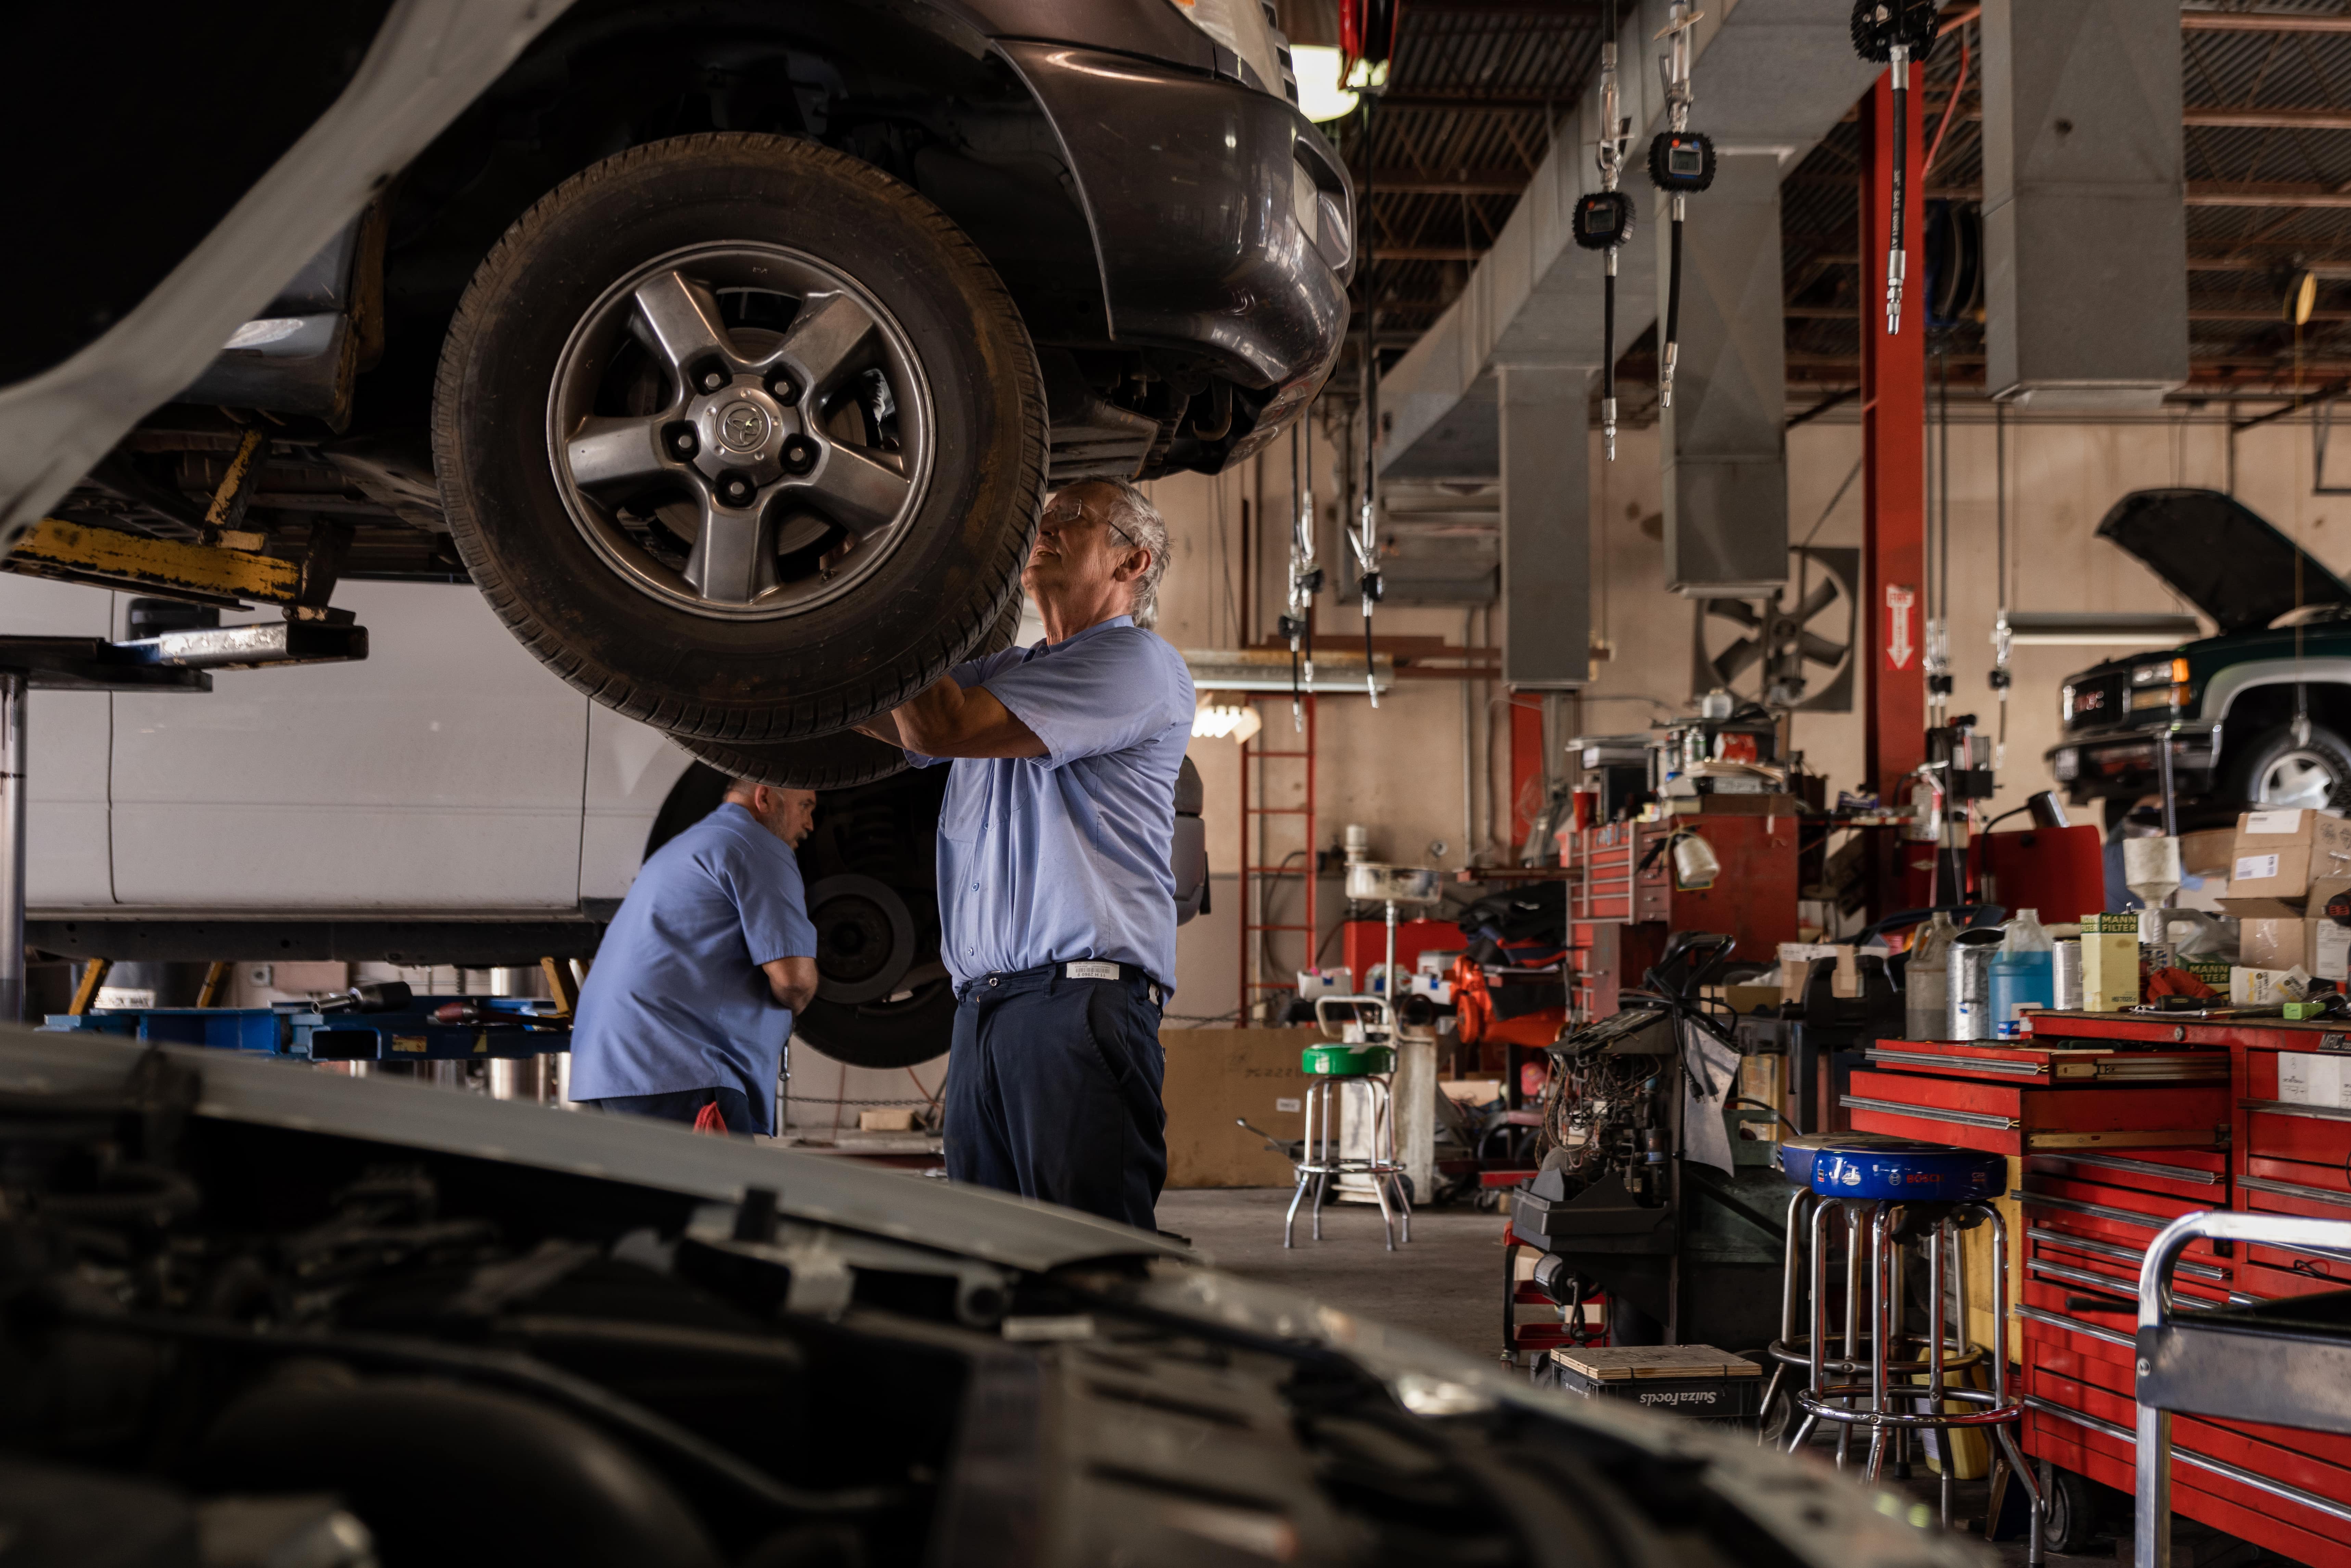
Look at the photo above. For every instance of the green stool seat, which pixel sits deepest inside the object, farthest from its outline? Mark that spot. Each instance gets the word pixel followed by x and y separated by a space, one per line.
pixel 1347 1061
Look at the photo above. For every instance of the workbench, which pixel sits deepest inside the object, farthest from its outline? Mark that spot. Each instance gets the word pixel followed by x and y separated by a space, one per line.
pixel 2115 1125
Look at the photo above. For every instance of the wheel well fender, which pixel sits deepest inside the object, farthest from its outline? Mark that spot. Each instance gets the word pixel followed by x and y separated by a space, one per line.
pixel 2260 697
pixel 912 87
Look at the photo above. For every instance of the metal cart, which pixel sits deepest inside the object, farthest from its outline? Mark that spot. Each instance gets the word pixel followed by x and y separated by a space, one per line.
pixel 2285 1363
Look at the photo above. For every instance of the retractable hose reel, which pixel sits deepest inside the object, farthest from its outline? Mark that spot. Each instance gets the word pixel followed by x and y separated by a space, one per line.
pixel 1894 33
pixel 1602 221
pixel 1681 161
pixel 1305 578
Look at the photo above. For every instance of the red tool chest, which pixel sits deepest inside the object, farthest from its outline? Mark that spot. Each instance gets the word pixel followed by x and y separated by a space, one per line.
pixel 2089 1215
pixel 1754 900
pixel 2025 1117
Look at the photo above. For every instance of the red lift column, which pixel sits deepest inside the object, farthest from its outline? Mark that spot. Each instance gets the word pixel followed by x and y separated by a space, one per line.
pixel 1894 448
pixel 1893 477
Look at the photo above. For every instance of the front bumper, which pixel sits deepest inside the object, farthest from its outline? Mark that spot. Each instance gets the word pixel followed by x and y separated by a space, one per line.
pixel 2097 767
pixel 1223 221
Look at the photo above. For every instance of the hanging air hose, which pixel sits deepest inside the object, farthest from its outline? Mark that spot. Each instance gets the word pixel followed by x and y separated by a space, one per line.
pixel 1602 221
pixel 1305 578
pixel 1680 161
pixel 1894 33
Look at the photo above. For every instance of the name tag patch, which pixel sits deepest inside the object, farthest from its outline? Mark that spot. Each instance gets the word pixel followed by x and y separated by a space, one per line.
pixel 1090 970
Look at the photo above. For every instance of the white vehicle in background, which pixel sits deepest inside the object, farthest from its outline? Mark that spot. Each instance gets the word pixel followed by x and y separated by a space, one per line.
pixel 446 801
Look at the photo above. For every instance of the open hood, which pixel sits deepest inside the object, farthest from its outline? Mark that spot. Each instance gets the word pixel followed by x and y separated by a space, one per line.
pixel 2221 556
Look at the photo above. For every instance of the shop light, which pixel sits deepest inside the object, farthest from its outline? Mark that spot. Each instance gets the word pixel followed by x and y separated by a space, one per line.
pixel 1320 92
pixel 1237 722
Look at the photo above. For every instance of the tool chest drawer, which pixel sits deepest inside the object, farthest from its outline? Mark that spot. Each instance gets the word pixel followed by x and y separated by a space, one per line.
pixel 2105 1456
pixel 2278 1278
pixel 2199 1175
pixel 2016 1119
pixel 2314 1134
pixel 2092 1265
pixel 2276 1454
pixel 2116 1213
pixel 2079 1064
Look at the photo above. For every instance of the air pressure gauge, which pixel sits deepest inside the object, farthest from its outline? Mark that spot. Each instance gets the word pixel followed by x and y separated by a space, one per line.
pixel 1603 220
pixel 1681 162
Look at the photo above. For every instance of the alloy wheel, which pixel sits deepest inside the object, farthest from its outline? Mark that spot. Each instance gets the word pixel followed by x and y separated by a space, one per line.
pixel 741 431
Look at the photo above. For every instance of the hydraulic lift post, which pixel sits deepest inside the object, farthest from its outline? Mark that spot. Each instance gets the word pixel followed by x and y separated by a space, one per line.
pixel 1893 487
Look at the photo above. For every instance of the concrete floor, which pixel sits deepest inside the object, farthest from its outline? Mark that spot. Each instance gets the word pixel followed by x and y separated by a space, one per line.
pixel 1446 1285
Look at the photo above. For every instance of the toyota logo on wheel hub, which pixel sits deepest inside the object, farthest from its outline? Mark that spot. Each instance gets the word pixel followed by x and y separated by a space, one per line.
pixel 743 428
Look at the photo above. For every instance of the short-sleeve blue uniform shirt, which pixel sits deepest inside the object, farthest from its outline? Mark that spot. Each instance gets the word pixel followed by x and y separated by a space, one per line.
pixel 1047 859
pixel 676 998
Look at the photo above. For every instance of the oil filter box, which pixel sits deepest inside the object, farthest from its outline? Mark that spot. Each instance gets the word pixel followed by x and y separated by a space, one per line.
pixel 2109 966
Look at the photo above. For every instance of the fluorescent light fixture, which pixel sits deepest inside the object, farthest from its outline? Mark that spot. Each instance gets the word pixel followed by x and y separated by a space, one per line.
pixel 1322 98
pixel 1227 720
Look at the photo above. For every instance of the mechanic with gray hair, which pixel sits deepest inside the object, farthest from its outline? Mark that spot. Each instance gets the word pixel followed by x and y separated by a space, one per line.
pixel 1056 900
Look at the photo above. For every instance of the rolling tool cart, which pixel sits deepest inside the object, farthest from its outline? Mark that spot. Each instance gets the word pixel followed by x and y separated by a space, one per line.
pixel 2283 1363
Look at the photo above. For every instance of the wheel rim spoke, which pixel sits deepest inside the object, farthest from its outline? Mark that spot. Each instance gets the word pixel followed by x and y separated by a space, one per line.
pixel 680 319
pixel 734 558
pixel 857 490
pixel 825 338
pixel 606 453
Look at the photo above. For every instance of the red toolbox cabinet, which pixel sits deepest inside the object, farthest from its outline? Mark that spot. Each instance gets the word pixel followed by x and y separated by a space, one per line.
pixel 2020 1119
pixel 2107 1456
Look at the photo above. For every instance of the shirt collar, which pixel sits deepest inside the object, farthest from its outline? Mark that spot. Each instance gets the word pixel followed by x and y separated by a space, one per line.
pixel 1046 646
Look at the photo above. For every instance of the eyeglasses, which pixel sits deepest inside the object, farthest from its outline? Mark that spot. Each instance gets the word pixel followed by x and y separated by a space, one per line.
pixel 1067 516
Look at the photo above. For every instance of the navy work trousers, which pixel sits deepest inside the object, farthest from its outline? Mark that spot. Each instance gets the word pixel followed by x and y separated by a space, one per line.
pixel 1053 1092
pixel 685 1106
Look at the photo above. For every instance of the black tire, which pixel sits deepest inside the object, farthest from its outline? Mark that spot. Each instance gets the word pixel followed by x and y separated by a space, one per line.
pixel 929 598
pixel 841 760
pixel 2257 766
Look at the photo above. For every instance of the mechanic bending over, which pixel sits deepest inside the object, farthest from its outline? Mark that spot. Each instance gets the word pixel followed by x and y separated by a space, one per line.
pixel 687 1010
pixel 1057 904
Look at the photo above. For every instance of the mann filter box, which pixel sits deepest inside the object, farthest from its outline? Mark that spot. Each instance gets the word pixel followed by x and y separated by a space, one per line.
pixel 2277 855
pixel 2109 966
pixel 2103 924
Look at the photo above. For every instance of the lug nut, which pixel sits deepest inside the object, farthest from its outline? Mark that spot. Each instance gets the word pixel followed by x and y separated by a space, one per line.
pixel 712 380
pixel 799 453
pixel 683 442
pixel 736 491
pixel 785 392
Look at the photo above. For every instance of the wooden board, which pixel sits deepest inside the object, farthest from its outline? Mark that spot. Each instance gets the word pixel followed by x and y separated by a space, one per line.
pixel 1614 1363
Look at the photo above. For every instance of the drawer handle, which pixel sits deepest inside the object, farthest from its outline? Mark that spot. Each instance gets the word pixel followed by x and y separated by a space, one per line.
pixel 2294 1190
pixel 1957 1063
pixel 1927 1114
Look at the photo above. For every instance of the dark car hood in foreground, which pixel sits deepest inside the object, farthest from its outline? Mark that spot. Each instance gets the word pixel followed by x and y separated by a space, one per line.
pixel 1207 1415
pixel 2221 556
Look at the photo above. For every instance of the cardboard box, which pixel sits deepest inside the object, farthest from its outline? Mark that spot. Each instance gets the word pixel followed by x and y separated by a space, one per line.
pixel 1215 1075
pixel 2208 852
pixel 2109 970
pixel 2126 922
pixel 889 1119
pixel 2320 946
pixel 2278 855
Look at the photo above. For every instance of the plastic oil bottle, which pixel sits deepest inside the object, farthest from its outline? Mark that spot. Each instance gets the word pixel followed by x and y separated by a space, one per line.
pixel 2023 972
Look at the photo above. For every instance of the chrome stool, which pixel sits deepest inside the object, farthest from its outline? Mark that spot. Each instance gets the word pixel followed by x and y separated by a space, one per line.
pixel 1893 1192
pixel 1329 1069
pixel 1794 1349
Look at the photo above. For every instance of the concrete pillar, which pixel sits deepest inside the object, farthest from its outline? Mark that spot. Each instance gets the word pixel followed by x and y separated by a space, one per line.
pixel 2085 239
pixel 1546 420
pixel 1722 444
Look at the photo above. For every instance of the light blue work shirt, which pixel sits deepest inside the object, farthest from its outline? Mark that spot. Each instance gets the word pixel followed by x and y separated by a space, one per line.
pixel 676 998
pixel 1047 859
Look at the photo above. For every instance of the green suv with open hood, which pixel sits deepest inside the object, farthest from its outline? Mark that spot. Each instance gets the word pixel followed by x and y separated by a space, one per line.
pixel 2258 714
